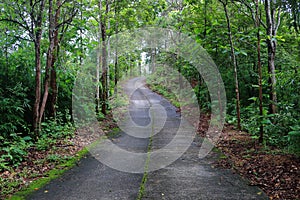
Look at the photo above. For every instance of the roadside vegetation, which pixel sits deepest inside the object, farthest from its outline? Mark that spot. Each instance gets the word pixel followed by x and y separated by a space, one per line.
pixel 45 45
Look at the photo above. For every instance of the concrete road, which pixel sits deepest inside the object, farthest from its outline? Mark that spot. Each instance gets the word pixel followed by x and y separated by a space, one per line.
pixel 187 178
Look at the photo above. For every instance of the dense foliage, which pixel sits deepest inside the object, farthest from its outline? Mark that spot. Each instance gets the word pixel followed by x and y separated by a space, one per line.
pixel 45 43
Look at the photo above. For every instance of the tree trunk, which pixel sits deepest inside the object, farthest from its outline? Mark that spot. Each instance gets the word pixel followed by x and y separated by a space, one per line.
pixel 179 64
pixel 53 94
pixel 272 78
pixel 36 125
pixel 99 60
pixel 108 5
pixel 140 67
pixel 272 27
pixel 6 56
pixel 104 60
pixel 153 59
pixel 104 69
pixel 81 35
pixel 53 76
pixel 48 62
pixel 259 67
pixel 53 40
pixel 116 72
pixel 116 78
pixel 205 18
pixel 233 57
pixel 36 30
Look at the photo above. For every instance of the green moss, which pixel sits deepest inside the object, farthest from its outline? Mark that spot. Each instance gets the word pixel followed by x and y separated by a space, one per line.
pixel 216 150
pixel 52 174
pixel 146 169
pixel 142 187
pixel 114 133
pixel 222 156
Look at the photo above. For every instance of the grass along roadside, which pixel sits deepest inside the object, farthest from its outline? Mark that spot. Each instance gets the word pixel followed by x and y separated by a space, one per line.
pixel 145 176
pixel 61 167
pixel 161 90
pixel 146 169
pixel 54 173
pixel 36 170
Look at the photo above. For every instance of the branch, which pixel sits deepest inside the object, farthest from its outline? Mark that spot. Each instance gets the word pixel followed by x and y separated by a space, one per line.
pixel 278 20
pixel 224 3
pixel 32 5
pixel 64 30
pixel 26 28
pixel 268 17
pixel 62 3
pixel 35 3
pixel 69 20
pixel 32 15
pixel 21 16
pixel 252 12
pixel 96 18
pixel 245 13
pixel 22 38
pixel 39 19
pixel 16 22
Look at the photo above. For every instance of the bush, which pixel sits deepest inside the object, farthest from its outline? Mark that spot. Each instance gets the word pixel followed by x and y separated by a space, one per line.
pixel 13 143
pixel 13 103
pixel 294 140
pixel 54 129
pixel 57 127
pixel 13 151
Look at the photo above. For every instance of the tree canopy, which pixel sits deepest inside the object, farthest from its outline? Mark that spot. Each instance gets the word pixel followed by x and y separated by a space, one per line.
pixel 255 45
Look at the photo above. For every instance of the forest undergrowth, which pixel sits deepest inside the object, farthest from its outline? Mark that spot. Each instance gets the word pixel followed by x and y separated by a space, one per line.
pixel 40 166
pixel 271 168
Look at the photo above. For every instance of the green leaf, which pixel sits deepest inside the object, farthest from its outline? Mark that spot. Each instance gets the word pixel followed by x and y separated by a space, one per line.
pixel 253 98
pixel 27 138
pixel 244 53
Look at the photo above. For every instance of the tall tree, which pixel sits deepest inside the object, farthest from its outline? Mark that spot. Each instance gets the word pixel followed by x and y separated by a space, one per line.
pixel 256 17
pixel 36 34
pixel 273 11
pixel 29 16
pixel 259 67
pixel 103 21
pixel 58 26
pixel 234 63
pixel 54 29
pixel 116 67
pixel 99 56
